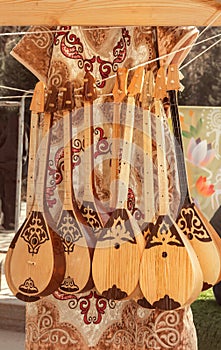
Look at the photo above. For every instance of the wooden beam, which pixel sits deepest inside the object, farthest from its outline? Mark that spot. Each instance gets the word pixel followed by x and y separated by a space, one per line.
pixel 109 13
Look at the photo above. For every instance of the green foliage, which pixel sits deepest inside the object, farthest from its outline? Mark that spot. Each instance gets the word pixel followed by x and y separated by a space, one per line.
pixel 194 131
pixel 207 320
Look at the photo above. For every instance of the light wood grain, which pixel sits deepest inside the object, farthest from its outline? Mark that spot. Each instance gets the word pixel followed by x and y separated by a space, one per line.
pixel 37 265
pixel 149 198
pixel 170 273
pixel 37 107
pixel 202 236
pixel 162 277
pixel 119 93
pixel 118 251
pixel 122 271
pixel 114 12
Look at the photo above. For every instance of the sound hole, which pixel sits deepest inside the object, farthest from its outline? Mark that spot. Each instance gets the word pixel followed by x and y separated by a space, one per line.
pixel 34 241
pixel 117 246
pixel 164 254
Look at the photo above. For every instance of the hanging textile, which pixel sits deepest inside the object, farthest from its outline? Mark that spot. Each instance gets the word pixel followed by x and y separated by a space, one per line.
pixel 87 320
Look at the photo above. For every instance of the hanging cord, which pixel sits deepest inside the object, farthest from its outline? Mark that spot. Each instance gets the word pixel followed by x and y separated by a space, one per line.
pixel 12 97
pixel 135 67
pixel 14 89
pixel 200 54
pixel 163 56
pixel 209 47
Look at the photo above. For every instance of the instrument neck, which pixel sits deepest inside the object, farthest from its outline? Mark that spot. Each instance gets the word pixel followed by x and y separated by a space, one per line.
pixel 68 189
pixel 33 144
pixel 88 152
pixel 149 202
pixel 179 151
pixel 126 154
pixel 42 157
pixel 161 161
pixel 116 136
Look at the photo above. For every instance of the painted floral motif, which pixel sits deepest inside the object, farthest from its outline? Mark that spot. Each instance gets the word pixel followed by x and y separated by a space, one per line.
pixel 203 187
pixel 213 126
pixel 199 152
pixel 201 136
pixel 193 128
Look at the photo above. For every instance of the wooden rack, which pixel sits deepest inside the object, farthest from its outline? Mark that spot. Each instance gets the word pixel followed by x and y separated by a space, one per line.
pixel 110 13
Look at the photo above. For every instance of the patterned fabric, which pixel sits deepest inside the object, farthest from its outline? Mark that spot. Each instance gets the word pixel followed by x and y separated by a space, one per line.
pixel 87 320
pixel 116 326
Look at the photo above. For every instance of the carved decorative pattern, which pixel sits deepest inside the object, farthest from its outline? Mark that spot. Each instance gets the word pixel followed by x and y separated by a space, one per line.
pixel 89 213
pixel 114 293
pixel 68 285
pixel 191 225
pixel 163 233
pixel 166 303
pixel 28 286
pixel 118 229
pixel 69 230
pixel 35 233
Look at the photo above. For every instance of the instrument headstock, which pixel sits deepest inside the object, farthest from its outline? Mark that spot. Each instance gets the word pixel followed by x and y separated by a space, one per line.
pixel 89 92
pixel 136 83
pixel 37 102
pixel 120 86
pixel 148 89
pixel 160 86
pixel 173 78
pixel 68 100
pixel 52 99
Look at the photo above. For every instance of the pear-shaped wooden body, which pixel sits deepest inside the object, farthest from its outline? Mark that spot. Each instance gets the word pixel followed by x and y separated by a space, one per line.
pixel 117 256
pixel 77 255
pixel 203 240
pixel 35 259
pixel 170 272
